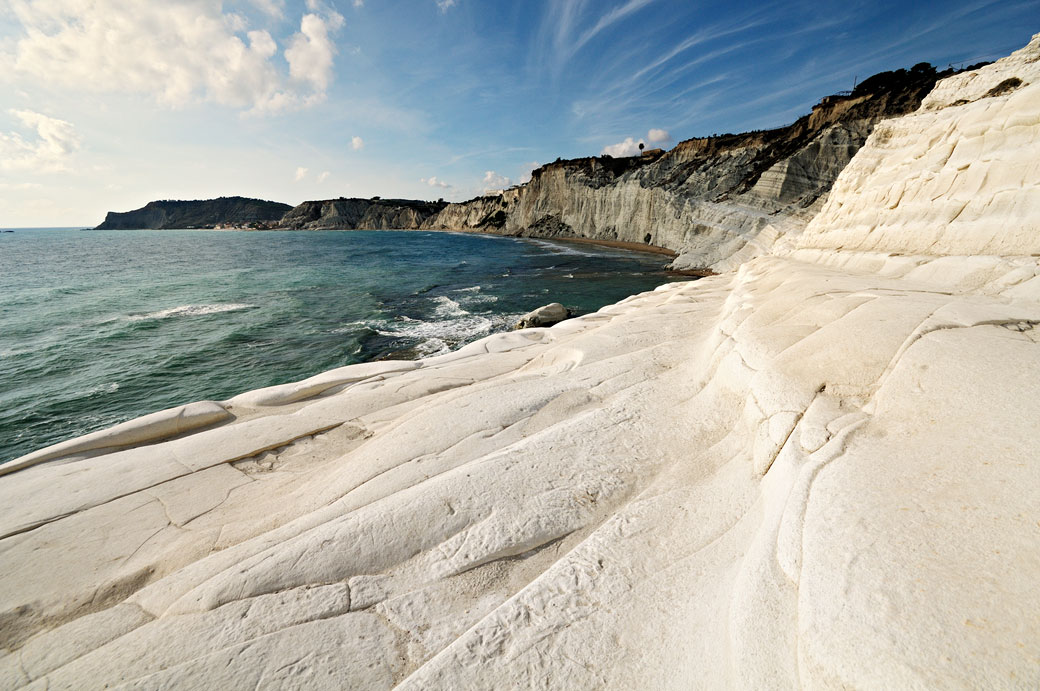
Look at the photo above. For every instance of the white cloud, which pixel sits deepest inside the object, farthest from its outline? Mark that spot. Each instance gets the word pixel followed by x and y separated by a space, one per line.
pixel 656 136
pixel 629 147
pixel 531 166
pixel 357 143
pixel 445 5
pixel 493 182
pixel 434 182
pixel 323 176
pixel 54 143
pixel 311 51
pixel 301 173
pixel 176 50
pixel 271 7
pixel 359 3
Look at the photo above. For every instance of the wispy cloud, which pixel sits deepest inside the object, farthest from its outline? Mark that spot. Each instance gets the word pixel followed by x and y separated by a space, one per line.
pixel 301 173
pixel 357 143
pixel 273 8
pixel 608 20
pixel 710 33
pixel 488 153
pixel 562 34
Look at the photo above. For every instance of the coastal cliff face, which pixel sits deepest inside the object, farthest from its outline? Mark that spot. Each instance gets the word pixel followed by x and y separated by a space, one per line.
pixel 360 214
pixel 204 213
pixel 818 470
pixel 243 213
pixel 715 201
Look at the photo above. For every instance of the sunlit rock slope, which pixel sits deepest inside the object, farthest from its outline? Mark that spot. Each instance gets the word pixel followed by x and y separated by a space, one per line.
pixel 819 470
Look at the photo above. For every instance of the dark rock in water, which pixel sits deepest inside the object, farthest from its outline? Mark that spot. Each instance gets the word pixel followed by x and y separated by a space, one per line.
pixel 550 314
pixel 239 212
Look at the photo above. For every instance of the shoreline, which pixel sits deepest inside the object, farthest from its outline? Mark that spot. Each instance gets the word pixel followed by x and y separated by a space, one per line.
pixel 383 334
pixel 615 244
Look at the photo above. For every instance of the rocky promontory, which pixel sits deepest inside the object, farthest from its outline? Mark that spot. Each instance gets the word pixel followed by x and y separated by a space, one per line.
pixel 256 214
pixel 360 214
pixel 200 213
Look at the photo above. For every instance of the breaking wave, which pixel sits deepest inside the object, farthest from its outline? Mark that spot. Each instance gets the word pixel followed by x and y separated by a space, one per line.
pixel 191 311
pixel 561 248
pixel 439 336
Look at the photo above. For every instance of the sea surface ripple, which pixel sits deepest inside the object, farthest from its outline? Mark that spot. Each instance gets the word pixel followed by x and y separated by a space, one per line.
pixel 98 327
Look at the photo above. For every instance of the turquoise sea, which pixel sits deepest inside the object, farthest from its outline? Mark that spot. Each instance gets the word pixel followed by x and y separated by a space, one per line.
pixel 98 327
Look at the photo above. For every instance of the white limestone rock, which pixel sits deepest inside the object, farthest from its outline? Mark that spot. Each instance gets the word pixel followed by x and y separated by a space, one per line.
pixel 153 427
pixel 819 470
pixel 547 315
pixel 947 180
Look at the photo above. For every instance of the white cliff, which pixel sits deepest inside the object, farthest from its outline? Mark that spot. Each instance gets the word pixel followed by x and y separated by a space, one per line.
pixel 715 201
pixel 818 470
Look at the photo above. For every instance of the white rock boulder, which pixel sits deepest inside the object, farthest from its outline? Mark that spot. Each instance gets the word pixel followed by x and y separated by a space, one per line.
pixel 547 315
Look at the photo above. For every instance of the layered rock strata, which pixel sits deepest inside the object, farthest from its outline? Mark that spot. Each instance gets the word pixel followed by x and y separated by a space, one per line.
pixel 715 201
pixel 360 214
pixel 819 470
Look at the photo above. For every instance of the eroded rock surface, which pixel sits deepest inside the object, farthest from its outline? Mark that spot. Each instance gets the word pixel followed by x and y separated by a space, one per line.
pixel 716 201
pixel 359 214
pixel 819 470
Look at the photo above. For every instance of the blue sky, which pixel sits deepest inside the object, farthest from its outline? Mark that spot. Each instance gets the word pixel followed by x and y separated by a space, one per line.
pixel 107 104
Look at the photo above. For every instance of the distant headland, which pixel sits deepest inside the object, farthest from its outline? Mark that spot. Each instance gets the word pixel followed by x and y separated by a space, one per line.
pixel 203 213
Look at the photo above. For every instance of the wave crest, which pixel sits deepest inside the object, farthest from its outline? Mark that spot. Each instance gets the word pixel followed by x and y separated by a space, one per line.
pixel 191 311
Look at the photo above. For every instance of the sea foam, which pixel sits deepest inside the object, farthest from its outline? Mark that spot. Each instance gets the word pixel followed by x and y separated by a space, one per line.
pixel 191 311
